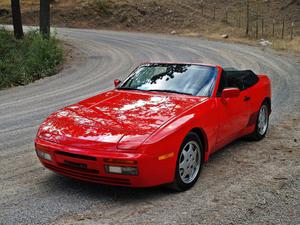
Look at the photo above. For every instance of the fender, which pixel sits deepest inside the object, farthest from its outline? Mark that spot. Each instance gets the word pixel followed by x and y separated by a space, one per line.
pixel 175 130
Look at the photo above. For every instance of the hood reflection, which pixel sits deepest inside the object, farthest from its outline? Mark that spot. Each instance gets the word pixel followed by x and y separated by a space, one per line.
pixel 106 118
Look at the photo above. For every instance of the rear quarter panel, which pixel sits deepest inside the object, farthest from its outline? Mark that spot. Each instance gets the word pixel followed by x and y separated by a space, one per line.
pixel 260 92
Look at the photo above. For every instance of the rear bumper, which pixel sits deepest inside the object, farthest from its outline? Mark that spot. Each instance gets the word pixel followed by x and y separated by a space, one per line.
pixel 151 171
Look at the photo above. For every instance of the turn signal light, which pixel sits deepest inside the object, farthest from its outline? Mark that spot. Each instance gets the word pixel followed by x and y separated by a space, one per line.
pixel 166 156
pixel 120 161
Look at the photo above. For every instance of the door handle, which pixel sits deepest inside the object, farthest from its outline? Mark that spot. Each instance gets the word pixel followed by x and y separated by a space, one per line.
pixel 246 98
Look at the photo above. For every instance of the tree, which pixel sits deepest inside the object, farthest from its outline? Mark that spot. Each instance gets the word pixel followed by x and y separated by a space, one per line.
pixel 45 17
pixel 247 18
pixel 17 19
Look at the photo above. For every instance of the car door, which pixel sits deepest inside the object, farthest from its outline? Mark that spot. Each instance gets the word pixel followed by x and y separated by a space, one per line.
pixel 234 114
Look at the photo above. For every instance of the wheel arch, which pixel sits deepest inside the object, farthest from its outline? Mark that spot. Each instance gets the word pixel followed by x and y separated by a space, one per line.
pixel 268 101
pixel 202 135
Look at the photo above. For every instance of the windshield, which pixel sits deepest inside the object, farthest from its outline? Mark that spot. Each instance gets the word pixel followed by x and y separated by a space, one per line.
pixel 188 79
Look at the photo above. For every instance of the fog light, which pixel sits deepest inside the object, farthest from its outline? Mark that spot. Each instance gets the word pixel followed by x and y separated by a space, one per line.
pixel 43 155
pixel 126 170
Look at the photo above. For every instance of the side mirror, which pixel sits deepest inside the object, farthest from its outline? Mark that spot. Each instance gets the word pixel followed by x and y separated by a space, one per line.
pixel 117 82
pixel 231 93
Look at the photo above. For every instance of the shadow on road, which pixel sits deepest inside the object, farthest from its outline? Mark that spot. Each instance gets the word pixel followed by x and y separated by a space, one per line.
pixel 102 192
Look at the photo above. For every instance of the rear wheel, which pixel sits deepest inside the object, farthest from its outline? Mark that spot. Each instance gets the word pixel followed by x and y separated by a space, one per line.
pixel 262 123
pixel 189 162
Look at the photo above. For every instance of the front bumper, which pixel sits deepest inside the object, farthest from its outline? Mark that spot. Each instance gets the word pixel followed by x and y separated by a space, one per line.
pixel 68 161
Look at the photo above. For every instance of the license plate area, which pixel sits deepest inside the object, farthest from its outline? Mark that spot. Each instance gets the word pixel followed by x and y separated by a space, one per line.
pixel 82 164
pixel 76 165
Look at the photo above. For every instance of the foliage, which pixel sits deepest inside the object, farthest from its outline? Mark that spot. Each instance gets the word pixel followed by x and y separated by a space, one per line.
pixel 102 6
pixel 26 60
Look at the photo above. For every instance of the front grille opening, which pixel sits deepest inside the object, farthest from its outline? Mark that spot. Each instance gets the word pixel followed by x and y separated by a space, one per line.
pixel 77 156
pixel 78 169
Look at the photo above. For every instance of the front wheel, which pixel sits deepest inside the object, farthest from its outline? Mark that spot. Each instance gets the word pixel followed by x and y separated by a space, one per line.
pixel 189 163
pixel 262 123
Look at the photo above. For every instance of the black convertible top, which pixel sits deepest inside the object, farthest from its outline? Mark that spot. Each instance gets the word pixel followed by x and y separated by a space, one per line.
pixel 239 73
pixel 241 79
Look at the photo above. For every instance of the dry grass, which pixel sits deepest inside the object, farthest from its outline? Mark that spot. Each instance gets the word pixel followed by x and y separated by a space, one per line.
pixel 291 46
pixel 6 3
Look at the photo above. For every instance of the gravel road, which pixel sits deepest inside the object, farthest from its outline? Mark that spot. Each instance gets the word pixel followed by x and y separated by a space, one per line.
pixel 245 183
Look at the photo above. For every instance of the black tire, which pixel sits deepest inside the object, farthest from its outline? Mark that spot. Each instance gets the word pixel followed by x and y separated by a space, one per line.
pixel 179 184
pixel 257 135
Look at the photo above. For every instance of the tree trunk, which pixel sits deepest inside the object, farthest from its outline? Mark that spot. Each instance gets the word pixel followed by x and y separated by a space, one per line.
pixel 247 18
pixel 17 19
pixel 45 18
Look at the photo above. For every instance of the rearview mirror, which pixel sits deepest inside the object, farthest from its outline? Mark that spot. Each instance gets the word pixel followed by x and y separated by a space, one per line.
pixel 231 93
pixel 117 82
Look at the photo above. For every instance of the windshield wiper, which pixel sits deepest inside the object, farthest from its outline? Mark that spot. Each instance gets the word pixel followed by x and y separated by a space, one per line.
pixel 129 88
pixel 171 91
pixel 126 88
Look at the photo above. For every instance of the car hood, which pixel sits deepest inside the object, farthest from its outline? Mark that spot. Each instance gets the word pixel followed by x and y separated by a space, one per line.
pixel 102 121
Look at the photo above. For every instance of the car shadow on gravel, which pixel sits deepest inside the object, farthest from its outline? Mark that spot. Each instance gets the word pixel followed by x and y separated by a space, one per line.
pixel 101 192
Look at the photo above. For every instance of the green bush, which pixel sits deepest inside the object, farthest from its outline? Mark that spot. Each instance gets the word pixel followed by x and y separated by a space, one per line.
pixel 24 61
pixel 102 6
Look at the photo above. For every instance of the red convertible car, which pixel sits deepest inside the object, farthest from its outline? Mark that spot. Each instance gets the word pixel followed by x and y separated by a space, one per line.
pixel 156 127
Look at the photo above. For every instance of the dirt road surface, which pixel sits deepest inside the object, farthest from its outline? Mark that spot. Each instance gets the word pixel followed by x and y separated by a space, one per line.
pixel 245 183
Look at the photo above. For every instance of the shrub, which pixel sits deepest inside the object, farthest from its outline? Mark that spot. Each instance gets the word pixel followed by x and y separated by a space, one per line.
pixel 102 6
pixel 24 61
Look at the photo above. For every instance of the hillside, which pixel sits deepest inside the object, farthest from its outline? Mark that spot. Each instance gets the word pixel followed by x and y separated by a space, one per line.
pixel 190 17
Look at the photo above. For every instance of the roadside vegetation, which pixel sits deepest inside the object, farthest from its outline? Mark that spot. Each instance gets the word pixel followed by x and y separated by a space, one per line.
pixel 25 60
pixel 244 21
